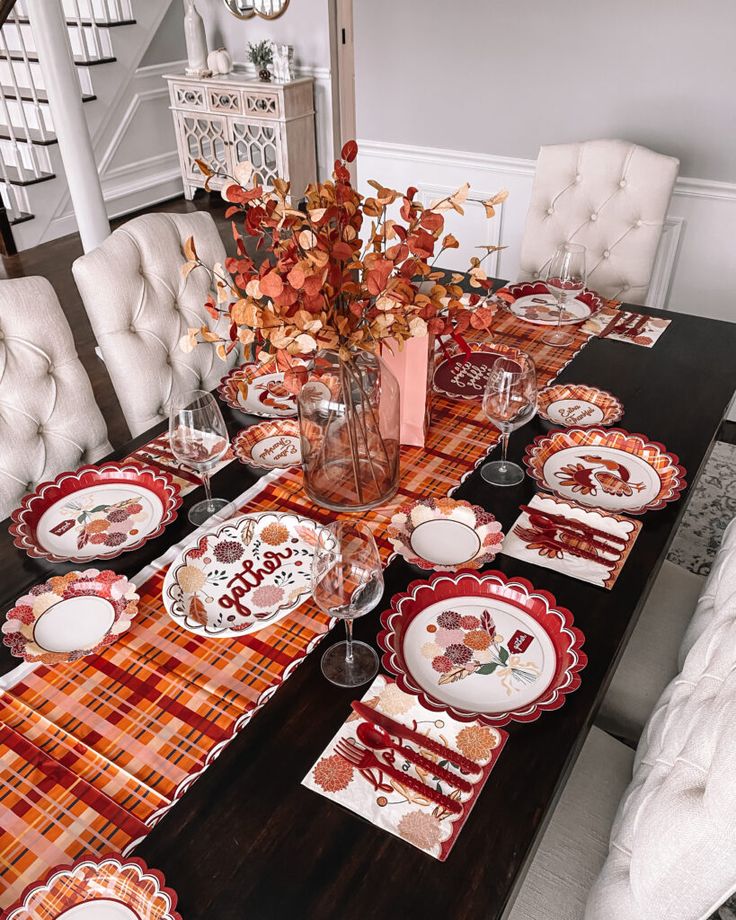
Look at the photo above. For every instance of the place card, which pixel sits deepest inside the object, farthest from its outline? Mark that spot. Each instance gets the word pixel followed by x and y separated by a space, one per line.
pixel 536 542
pixel 392 805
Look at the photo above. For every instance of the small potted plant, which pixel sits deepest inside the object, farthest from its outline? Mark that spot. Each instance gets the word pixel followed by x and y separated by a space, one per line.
pixel 260 55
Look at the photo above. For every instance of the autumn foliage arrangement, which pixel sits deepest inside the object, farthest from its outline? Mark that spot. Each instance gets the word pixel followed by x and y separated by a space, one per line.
pixel 342 274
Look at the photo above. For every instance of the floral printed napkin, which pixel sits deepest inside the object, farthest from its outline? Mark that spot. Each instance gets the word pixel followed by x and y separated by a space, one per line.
pixel 646 336
pixel 386 802
pixel 540 552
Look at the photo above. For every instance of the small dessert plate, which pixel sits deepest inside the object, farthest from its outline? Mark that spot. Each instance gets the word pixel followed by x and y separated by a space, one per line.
pixel 534 304
pixel 572 404
pixel 258 389
pixel 70 616
pixel 107 888
pixel 269 445
pixel 444 534
pixel 460 375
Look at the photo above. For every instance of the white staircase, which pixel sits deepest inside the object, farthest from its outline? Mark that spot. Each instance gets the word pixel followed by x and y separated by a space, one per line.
pixel 108 39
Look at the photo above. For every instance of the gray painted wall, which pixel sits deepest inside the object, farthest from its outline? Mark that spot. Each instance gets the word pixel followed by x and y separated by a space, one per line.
pixel 504 76
pixel 168 43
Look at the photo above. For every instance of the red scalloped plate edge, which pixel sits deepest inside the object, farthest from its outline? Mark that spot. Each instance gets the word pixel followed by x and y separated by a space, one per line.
pixel 678 487
pixel 98 860
pixel 21 532
pixel 534 709
pixel 596 301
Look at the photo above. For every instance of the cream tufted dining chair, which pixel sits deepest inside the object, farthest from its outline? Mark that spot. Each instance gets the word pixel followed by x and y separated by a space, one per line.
pixel 140 306
pixel 49 420
pixel 609 195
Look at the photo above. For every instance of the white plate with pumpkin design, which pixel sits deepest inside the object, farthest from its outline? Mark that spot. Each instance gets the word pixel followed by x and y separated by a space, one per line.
pixel 242 575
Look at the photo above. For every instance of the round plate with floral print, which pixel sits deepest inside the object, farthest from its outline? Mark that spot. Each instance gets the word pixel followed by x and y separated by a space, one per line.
pixel 444 534
pixel 574 404
pixel 70 616
pixel 242 575
pixel 534 304
pixel 482 647
pixel 258 389
pixel 269 445
pixel 97 512
pixel 610 469
pixel 107 888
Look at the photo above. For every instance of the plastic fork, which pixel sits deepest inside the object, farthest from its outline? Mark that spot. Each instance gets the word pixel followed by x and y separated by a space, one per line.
pixel 364 759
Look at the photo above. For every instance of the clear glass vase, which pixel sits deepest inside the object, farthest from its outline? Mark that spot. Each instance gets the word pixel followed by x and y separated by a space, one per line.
pixel 349 418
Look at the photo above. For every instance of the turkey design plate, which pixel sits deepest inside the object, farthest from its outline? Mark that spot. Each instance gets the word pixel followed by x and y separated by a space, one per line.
pixel 242 575
pixel 269 445
pixel 444 534
pixel 258 389
pixel 97 512
pixel 482 647
pixel 572 404
pixel 98 889
pixel 463 376
pixel 70 616
pixel 609 469
pixel 534 304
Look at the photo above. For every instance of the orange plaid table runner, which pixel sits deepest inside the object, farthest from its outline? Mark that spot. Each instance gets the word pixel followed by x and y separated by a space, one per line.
pixel 93 753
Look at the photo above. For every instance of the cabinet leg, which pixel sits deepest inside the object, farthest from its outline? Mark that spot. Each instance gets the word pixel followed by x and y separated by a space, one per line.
pixel 189 191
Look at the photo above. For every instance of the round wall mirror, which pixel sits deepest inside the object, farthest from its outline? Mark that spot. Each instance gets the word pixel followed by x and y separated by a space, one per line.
pixel 266 9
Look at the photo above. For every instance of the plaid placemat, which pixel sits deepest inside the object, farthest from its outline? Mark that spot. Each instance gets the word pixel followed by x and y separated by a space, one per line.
pixel 93 753
pixel 157 453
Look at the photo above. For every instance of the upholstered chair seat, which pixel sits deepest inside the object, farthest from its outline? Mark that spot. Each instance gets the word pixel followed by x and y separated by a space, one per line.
pixel 140 305
pixel 611 196
pixel 49 420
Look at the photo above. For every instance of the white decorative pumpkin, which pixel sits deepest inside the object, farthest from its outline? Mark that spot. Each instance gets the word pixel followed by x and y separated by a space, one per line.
pixel 220 61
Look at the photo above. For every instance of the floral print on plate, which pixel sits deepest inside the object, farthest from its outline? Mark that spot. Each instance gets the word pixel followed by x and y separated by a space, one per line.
pixel 387 803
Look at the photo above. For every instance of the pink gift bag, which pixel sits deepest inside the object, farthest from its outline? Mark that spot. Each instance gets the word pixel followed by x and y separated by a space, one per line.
pixel 413 367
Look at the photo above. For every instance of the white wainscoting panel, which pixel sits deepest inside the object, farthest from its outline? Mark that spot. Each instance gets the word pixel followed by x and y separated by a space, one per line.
pixel 695 270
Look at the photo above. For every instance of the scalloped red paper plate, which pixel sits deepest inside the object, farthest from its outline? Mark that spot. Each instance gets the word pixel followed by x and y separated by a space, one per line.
pixel 98 888
pixel 96 512
pixel 533 303
pixel 482 646
pixel 611 469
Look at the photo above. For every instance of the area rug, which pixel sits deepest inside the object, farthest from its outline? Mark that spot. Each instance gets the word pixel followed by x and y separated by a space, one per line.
pixel 712 506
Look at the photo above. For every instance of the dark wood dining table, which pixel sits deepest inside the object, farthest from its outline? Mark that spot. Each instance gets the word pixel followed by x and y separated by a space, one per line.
pixel 249 841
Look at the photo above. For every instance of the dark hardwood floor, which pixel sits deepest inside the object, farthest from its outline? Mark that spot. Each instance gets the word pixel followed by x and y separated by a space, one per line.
pixel 54 261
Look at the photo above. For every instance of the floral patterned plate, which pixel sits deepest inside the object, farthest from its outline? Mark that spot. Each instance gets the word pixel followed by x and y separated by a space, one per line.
pixel 269 445
pixel 482 647
pixel 70 616
pixel 258 389
pixel 242 575
pixel 97 512
pixel 533 303
pixel 606 468
pixel 444 534
pixel 571 404
pixel 106 888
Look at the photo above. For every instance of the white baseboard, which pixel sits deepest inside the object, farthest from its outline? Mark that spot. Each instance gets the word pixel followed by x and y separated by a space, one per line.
pixel 694 271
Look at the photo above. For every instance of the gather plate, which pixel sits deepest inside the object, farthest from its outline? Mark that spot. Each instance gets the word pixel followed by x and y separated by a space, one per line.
pixel 444 534
pixel 107 888
pixel 258 389
pixel 272 445
pixel 70 616
pixel 534 304
pixel 96 512
pixel 610 469
pixel 242 575
pixel 575 404
pixel 482 646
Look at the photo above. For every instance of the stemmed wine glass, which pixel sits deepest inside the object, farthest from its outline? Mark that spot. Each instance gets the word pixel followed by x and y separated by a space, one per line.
pixel 566 277
pixel 198 438
pixel 509 401
pixel 347 582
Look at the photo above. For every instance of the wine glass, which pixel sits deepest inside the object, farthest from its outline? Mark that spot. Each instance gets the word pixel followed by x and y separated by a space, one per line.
pixel 509 401
pixel 347 582
pixel 565 280
pixel 198 438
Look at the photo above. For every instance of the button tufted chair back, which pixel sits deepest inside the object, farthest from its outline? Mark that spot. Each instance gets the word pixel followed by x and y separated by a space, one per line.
pixel 673 845
pixel 609 195
pixel 49 420
pixel 140 306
